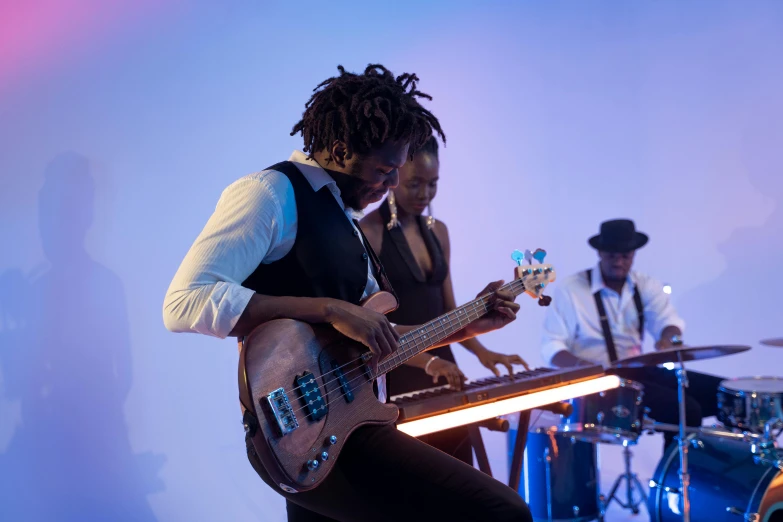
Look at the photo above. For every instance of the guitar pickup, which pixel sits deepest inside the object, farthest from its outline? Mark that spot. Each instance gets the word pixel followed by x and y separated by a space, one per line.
pixel 282 411
pixel 311 397
pixel 347 392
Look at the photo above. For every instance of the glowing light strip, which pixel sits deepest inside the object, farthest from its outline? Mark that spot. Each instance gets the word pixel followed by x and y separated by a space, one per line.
pixel 490 410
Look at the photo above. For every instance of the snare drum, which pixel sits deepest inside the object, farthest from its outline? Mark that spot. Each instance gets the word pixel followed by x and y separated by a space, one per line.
pixel 559 479
pixel 613 416
pixel 747 403
pixel 725 484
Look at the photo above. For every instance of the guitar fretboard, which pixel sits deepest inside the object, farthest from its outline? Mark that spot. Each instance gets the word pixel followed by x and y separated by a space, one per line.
pixel 429 334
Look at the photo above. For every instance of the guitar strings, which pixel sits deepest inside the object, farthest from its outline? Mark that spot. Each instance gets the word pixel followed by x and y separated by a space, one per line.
pixel 413 338
pixel 403 345
pixel 344 393
pixel 354 379
pixel 416 342
pixel 411 334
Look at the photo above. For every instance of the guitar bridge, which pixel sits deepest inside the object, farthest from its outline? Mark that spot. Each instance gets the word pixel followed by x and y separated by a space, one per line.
pixel 311 396
pixel 282 411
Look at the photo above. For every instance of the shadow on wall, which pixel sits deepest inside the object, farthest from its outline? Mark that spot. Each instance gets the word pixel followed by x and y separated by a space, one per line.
pixel 65 358
pixel 743 304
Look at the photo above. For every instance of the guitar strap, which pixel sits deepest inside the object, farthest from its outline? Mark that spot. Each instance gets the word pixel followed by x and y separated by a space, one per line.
pixel 380 276
pixel 607 331
pixel 380 272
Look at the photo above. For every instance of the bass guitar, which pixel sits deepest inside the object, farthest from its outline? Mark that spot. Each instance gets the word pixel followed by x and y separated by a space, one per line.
pixel 305 387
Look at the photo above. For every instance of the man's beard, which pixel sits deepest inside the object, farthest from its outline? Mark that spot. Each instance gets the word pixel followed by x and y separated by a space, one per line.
pixel 351 185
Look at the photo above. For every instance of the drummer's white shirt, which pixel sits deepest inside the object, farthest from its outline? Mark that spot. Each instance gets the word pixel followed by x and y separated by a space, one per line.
pixel 572 321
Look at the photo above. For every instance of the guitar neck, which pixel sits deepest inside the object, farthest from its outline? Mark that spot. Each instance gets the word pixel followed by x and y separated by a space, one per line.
pixel 432 333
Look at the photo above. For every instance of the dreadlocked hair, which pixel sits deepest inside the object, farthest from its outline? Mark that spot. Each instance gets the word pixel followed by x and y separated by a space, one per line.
pixel 366 110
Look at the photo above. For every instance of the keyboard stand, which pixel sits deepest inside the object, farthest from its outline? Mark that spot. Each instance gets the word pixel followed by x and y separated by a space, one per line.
pixel 478 448
pixel 519 450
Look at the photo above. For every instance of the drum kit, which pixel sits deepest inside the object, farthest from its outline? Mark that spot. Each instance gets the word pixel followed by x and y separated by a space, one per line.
pixel 733 472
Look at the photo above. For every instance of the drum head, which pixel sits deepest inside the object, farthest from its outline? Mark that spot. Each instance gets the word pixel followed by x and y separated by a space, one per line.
pixel 754 384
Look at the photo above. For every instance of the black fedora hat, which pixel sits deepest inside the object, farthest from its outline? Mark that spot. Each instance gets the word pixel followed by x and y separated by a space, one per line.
pixel 618 235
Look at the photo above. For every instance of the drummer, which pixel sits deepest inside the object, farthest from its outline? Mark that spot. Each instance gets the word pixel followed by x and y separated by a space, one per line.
pixel 600 315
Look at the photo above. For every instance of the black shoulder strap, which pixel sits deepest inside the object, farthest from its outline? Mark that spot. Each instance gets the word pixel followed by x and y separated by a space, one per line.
pixel 599 304
pixel 380 272
pixel 637 300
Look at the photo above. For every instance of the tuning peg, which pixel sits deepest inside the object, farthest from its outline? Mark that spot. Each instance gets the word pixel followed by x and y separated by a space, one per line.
pixel 529 257
pixel 544 300
pixel 539 255
pixel 517 256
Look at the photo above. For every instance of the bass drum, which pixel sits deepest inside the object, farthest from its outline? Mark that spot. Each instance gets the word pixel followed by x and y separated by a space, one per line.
pixel 726 484
pixel 559 476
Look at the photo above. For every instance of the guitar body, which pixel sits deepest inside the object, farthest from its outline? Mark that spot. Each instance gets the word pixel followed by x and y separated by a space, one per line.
pixel 318 408
pixel 308 387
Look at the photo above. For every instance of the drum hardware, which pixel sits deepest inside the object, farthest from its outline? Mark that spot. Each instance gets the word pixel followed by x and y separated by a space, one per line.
pixel 769 458
pixel 725 472
pixel 765 452
pixel 548 475
pixel 762 447
pixel 749 517
pixel 680 355
pixel 697 444
pixel 682 444
pixel 612 417
pixel 631 482
pixel 770 425
pixel 651 426
pixel 727 481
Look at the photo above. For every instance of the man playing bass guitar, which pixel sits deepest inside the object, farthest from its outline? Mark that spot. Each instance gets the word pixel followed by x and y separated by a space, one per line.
pixel 284 243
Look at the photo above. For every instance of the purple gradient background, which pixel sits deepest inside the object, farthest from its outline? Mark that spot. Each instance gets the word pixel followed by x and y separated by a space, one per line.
pixel 559 115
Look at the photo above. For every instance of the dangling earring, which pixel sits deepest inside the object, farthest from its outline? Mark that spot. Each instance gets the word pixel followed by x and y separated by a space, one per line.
pixel 393 210
pixel 430 217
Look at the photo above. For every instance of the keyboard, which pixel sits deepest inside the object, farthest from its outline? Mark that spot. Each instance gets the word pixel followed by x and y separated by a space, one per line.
pixel 435 401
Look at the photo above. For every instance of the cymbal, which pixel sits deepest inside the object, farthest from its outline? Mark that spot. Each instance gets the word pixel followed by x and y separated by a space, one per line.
pixel 670 355
pixel 772 342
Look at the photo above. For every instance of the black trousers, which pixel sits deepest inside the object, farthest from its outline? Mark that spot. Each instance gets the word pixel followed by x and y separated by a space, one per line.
pixel 454 442
pixel 385 475
pixel 660 395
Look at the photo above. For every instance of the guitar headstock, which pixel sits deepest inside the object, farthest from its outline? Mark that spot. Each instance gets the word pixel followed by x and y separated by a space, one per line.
pixel 534 278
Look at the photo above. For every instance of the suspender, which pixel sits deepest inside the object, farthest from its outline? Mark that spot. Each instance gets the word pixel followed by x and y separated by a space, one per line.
pixel 599 304
pixel 637 300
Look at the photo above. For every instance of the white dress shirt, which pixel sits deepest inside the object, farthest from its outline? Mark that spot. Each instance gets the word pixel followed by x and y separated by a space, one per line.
pixel 255 221
pixel 572 322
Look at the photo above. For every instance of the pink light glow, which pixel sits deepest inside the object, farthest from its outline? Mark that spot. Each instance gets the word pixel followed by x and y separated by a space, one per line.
pixel 35 34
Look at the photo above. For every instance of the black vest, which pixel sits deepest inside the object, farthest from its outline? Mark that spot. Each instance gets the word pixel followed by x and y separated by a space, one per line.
pixel 328 258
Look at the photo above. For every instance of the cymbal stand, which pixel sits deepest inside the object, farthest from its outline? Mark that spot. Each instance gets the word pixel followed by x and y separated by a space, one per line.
pixel 685 479
pixel 765 451
pixel 773 424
